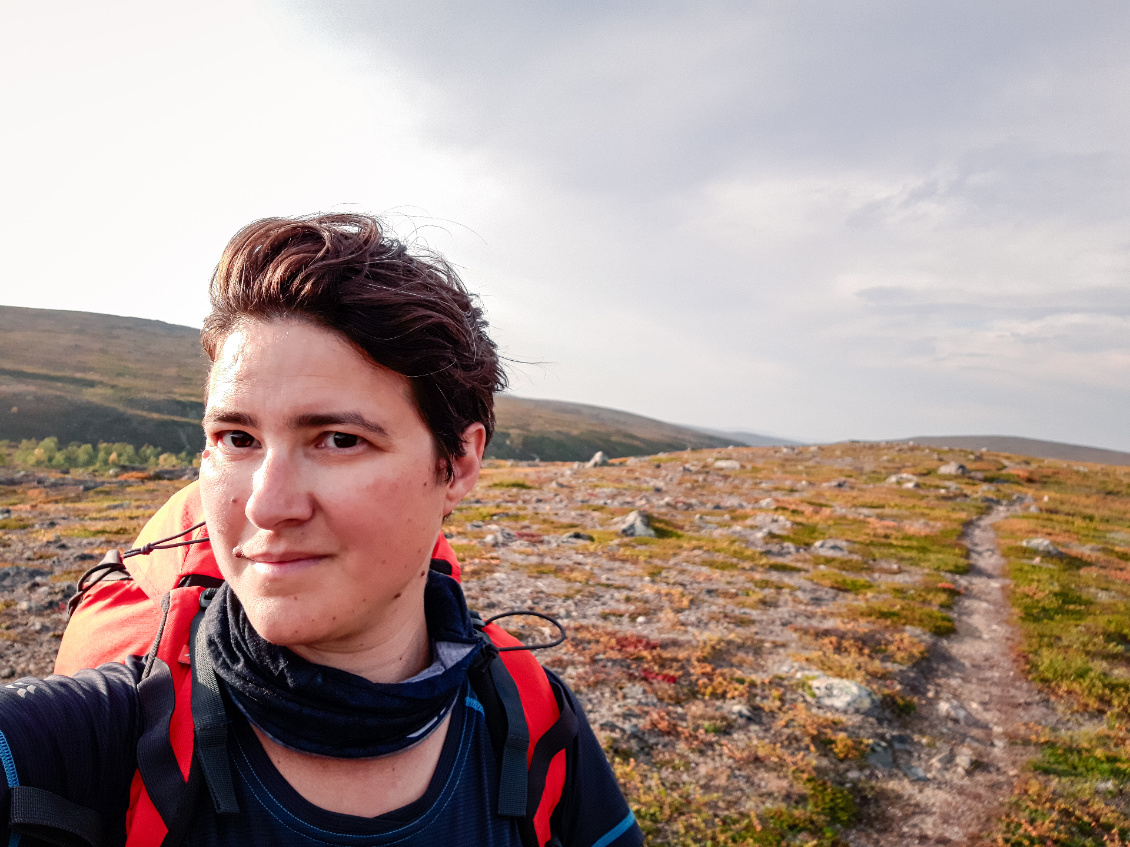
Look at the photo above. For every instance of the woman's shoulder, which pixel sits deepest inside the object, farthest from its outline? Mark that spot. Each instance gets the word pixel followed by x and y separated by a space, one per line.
pixel 72 738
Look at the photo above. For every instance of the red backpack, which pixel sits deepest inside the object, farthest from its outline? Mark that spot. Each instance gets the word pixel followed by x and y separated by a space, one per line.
pixel 152 608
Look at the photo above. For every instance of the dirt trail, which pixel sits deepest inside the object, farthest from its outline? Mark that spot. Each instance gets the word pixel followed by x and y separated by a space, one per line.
pixel 977 701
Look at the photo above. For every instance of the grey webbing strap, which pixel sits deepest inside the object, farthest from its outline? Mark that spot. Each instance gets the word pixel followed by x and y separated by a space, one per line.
pixel 512 787
pixel 54 819
pixel 210 721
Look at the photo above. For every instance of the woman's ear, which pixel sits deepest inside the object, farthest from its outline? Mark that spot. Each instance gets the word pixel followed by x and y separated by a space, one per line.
pixel 465 469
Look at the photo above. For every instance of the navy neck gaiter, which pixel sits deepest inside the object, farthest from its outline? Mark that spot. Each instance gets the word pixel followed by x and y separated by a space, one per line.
pixel 329 712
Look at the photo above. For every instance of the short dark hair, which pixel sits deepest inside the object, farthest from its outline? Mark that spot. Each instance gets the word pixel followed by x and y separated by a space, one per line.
pixel 405 309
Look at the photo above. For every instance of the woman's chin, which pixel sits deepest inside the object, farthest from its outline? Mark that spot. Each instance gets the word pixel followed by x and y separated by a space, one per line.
pixel 286 627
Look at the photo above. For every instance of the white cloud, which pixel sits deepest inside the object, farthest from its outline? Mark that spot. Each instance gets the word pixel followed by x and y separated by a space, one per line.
pixel 822 220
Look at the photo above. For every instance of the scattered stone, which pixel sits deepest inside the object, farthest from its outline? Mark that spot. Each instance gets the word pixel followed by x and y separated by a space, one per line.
pixel 963 759
pixel 641 619
pixel 880 756
pixel 954 711
pixel 831 547
pixel 772 524
pixel 783 548
pixel 770 503
pixel 599 459
pixel 900 478
pixel 635 525
pixel 953 469
pixel 1042 546
pixel 843 695
pixel 15 575
pixel 576 537
pixel 943 758
pixel 741 710
pixel 915 773
pixel 727 465
pixel 499 537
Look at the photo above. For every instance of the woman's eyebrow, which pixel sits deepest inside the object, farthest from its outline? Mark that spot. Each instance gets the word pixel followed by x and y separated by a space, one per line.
pixel 227 417
pixel 356 419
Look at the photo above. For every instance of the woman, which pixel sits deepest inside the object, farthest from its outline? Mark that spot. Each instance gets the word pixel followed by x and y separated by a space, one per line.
pixel 349 403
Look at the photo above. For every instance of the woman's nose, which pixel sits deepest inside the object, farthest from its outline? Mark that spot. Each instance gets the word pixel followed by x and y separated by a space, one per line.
pixel 279 494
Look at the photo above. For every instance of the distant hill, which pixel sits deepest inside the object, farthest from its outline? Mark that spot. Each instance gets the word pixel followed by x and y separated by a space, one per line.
pixel 89 377
pixel 1027 447
pixel 749 439
pixel 552 430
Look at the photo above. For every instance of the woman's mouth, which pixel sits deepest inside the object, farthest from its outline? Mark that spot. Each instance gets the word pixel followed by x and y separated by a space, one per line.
pixel 282 564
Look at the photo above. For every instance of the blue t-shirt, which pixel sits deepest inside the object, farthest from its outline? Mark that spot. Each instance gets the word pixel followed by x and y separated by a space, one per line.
pixel 77 736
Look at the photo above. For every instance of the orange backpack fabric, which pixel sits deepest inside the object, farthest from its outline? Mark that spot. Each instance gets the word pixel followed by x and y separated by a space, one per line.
pixel 152 611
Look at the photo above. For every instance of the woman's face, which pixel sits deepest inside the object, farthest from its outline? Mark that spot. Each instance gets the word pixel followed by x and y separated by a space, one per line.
pixel 322 488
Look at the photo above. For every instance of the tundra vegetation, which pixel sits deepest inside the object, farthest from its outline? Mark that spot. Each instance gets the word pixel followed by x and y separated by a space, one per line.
pixel 773 666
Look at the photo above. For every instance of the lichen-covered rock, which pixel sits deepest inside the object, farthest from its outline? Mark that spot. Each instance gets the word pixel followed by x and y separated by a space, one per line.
pixel 1042 546
pixel 831 547
pixel 843 695
pixel 635 525
pixel 599 459
pixel 953 469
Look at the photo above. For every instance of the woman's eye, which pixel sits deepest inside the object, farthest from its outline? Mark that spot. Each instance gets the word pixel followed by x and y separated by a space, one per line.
pixel 238 439
pixel 342 440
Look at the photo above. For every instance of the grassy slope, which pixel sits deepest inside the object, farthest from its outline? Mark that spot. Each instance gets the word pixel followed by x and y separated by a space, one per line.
pixel 1073 610
pixel 1074 614
pixel 551 430
pixel 89 377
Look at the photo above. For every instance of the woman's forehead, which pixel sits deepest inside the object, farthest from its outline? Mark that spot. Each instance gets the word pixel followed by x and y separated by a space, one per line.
pixel 295 359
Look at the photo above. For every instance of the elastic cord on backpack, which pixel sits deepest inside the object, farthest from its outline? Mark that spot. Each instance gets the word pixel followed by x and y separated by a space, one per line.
pixel 516 613
pixel 112 562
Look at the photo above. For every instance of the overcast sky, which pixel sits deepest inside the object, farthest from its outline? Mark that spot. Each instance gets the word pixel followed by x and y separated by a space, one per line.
pixel 820 220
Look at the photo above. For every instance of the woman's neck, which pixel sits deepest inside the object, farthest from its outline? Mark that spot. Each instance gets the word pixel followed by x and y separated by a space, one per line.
pixel 396 650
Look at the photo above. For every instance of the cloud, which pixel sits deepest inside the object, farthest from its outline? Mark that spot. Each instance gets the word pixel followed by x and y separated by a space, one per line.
pixel 823 220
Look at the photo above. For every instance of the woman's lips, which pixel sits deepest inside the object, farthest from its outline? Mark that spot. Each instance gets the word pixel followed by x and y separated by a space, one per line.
pixel 282 564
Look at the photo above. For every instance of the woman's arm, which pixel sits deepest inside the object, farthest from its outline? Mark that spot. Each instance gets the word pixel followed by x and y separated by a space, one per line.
pixel 75 737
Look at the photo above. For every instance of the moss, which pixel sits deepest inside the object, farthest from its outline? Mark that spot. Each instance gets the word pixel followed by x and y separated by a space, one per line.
pixel 904 613
pixel 831 579
pixel 720 564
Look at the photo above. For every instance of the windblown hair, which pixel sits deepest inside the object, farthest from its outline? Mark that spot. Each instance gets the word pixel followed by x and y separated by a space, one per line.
pixel 406 310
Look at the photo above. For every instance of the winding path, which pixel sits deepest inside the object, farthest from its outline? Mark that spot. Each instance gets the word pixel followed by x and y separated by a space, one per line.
pixel 976 701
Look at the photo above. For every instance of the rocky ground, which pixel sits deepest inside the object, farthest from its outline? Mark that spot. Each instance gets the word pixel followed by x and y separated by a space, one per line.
pixel 775 645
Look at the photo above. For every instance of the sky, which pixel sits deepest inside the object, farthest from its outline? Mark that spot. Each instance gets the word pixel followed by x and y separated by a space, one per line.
pixel 820 220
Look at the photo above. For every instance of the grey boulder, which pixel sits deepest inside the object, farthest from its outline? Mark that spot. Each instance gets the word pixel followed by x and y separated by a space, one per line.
pixel 635 525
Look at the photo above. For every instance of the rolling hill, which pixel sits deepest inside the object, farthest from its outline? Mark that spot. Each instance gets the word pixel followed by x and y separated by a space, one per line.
pixel 90 377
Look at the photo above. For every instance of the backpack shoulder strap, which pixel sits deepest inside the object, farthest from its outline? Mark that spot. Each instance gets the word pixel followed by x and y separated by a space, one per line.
pixel 210 719
pixel 168 779
pixel 531 726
